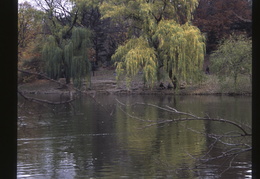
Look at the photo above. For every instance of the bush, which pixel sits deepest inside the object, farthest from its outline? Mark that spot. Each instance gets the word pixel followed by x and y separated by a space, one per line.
pixel 233 60
pixel 34 64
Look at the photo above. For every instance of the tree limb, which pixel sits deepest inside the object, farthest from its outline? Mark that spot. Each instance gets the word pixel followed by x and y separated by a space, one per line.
pixel 193 117
pixel 170 109
pixel 233 148
pixel 43 101
pixel 73 23
pixel 241 18
pixel 46 77
pixel 58 103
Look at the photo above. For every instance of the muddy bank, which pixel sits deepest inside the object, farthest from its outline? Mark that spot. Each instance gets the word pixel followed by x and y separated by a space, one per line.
pixel 47 87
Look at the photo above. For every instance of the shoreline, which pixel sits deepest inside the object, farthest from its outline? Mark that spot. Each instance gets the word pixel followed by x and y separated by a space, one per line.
pixel 104 82
pixel 182 92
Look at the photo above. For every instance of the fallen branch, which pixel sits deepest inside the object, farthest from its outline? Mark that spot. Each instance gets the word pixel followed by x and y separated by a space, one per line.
pixel 43 101
pixel 48 78
pixel 233 147
pixel 192 117
pixel 62 84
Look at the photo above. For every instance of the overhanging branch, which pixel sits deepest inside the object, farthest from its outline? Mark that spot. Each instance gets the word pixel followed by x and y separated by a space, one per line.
pixel 63 84
pixel 43 101
pixel 233 147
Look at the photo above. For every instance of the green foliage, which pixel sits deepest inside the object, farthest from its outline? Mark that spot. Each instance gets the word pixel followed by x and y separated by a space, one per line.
pixel 71 57
pixel 159 38
pixel 29 24
pixel 142 17
pixel 233 58
pixel 68 55
pixel 53 57
pixel 140 10
pixel 80 39
pixel 181 49
pixel 80 65
pixel 33 64
pixel 134 56
pixel 29 37
pixel 78 70
pixel 84 3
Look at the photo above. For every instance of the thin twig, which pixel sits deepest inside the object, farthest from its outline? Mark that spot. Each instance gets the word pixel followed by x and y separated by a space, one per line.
pixel 230 164
pixel 232 152
pixel 134 117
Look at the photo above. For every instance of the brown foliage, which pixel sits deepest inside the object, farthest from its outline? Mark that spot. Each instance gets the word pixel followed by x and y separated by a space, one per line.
pixel 219 18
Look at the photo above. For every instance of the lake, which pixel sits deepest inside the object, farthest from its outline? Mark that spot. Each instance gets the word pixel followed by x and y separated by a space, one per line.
pixel 121 136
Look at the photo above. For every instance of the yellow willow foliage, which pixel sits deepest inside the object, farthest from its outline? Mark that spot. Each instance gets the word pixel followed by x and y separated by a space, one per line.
pixel 135 55
pixel 179 10
pixel 181 48
pixel 115 10
pixel 86 3
pixel 160 42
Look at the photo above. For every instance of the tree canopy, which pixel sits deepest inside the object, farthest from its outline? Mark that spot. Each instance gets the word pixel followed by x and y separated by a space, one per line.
pixel 28 24
pixel 30 38
pixel 68 59
pixel 161 36
pixel 219 18
pixel 233 57
pixel 158 38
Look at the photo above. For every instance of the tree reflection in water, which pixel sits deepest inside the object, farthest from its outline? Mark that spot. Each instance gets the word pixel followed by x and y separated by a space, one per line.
pixel 85 141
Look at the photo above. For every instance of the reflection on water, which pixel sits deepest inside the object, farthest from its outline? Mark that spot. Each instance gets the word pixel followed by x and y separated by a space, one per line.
pixel 88 140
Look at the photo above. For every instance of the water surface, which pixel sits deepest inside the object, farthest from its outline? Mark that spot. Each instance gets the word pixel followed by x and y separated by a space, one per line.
pixel 105 139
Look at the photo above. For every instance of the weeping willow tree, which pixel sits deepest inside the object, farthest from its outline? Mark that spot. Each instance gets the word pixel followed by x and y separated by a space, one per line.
pixel 76 60
pixel 52 54
pixel 161 39
pixel 181 50
pixel 135 55
pixel 69 59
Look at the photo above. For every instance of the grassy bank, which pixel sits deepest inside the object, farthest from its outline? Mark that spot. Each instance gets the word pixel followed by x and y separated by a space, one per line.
pixel 212 85
pixel 104 81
